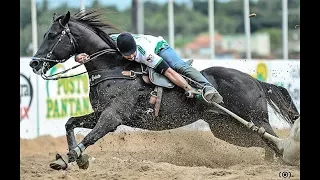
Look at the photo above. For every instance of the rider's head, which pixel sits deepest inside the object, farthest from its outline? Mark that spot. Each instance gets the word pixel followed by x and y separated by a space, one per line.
pixel 126 45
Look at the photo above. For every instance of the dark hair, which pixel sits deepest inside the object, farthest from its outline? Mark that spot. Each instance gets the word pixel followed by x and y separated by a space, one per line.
pixel 126 44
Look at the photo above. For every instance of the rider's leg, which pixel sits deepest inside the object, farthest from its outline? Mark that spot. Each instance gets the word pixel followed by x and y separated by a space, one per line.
pixel 172 75
pixel 177 79
pixel 174 61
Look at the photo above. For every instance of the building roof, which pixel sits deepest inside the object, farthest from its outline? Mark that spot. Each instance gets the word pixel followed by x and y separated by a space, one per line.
pixel 202 41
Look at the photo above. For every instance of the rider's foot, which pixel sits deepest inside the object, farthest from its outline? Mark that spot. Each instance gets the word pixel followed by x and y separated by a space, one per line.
pixel 211 94
pixel 192 92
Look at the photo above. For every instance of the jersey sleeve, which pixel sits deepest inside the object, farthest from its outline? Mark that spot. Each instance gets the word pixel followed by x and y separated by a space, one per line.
pixel 152 60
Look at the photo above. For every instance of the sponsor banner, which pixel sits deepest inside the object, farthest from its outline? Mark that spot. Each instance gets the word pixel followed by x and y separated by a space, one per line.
pixel 46 105
pixel 63 98
pixel 28 101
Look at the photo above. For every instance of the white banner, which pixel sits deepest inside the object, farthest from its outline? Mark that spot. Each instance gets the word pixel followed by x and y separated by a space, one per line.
pixel 28 101
pixel 46 106
pixel 63 98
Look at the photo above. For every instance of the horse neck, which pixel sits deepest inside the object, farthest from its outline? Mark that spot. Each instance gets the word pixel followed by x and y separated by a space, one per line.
pixel 90 43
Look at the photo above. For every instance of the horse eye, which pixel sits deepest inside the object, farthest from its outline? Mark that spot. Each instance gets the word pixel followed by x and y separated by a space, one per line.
pixel 52 35
pixel 45 34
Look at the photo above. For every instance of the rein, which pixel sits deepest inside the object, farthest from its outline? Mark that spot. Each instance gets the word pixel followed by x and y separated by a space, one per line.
pixel 91 57
pixel 66 31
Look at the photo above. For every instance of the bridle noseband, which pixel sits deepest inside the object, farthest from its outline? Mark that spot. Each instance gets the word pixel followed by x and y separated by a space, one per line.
pixel 64 32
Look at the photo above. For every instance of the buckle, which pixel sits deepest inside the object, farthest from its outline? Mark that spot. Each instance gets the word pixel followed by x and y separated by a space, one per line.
pixel 130 73
pixel 153 93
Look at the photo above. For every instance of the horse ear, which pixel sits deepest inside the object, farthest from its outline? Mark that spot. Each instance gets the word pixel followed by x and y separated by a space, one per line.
pixel 65 19
pixel 54 17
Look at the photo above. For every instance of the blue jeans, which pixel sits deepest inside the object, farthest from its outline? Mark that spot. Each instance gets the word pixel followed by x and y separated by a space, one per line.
pixel 170 56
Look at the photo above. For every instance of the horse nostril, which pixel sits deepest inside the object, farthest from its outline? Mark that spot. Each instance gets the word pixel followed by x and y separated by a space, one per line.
pixel 34 63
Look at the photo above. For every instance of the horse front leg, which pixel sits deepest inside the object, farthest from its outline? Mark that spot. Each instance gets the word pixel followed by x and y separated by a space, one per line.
pixel 87 121
pixel 107 122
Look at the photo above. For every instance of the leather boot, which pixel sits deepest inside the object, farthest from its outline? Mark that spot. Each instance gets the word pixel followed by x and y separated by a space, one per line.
pixel 210 93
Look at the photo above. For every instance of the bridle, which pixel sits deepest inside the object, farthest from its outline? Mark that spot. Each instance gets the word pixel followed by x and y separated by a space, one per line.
pixel 66 32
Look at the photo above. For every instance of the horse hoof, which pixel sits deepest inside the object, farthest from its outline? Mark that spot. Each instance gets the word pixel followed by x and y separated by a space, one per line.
pixel 85 166
pixel 59 163
pixel 83 161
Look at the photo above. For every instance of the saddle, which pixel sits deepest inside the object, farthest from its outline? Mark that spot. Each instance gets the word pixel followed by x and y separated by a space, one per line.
pixel 149 76
pixel 160 81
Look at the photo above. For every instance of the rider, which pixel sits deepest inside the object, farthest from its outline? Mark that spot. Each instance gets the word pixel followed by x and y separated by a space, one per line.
pixel 156 53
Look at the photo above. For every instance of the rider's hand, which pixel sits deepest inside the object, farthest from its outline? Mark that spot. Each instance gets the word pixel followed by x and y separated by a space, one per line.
pixel 81 57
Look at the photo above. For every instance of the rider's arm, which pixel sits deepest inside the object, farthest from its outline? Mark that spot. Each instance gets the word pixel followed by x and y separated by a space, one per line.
pixel 81 57
pixel 161 67
pixel 150 59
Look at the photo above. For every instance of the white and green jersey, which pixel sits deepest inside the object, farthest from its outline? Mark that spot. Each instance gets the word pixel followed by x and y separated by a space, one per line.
pixel 148 47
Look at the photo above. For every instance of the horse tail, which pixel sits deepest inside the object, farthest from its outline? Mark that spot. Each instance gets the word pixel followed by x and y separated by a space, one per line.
pixel 280 101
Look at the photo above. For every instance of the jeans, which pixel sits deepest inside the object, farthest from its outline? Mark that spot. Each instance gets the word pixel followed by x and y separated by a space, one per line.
pixel 170 56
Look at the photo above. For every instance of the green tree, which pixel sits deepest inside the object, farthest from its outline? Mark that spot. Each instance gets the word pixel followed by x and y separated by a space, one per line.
pixel 25 41
pixel 25 13
pixel 275 38
pixel 45 6
pixel 229 19
pixel 96 4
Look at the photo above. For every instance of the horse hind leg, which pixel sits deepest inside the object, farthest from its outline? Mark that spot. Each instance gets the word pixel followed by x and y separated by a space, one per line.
pixel 260 118
pixel 271 149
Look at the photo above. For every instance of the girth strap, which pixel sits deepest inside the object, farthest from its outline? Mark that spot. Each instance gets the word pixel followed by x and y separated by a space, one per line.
pixel 97 76
pixel 159 90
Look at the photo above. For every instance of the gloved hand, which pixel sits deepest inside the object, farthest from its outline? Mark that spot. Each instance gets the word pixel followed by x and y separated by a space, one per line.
pixel 80 58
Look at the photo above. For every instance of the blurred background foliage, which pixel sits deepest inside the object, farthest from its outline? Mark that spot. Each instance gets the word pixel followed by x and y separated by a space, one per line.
pixel 189 21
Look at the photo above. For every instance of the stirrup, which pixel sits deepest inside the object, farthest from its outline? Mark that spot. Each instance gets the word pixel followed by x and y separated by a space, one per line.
pixel 193 93
pixel 213 97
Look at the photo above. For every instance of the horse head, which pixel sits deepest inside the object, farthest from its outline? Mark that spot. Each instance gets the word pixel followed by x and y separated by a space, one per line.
pixel 69 35
pixel 57 46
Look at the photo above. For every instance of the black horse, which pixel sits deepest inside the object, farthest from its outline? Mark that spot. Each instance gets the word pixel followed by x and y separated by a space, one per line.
pixel 117 98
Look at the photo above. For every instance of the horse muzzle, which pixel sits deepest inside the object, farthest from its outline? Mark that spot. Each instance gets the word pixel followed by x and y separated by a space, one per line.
pixel 35 62
pixel 37 65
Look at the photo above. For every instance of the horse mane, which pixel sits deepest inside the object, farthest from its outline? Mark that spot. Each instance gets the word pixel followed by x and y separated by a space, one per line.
pixel 94 20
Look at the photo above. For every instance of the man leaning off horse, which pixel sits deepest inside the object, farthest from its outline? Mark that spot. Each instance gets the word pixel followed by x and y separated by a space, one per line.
pixel 156 53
